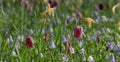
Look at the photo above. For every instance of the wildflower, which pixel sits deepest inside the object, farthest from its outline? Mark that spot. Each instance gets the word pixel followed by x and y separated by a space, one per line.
pixel 72 50
pixel 7 30
pixel 14 1
pixel 51 29
pixel 104 18
pixel 27 5
pixel 80 1
pixel 82 51
pixel 43 14
pixel 20 37
pixel 118 24
pixel 108 30
pixel 31 31
pixel 41 55
pixel 79 15
pixel 114 7
pixel 13 53
pixel 79 42
pixel 83 58
pixel 52 45
pixel 64 58
pixel 20 2
pixel 10 40
pixel 29 42
pixel 112 59
pixel 89 21
pixel 109 46
pixel 78 32
pixel 64 39
pixel 90 59
pixel 101 6
pixel 49 10
pixel 46 37
pixel 68 46
pixel 69 20
pixel 53 3
pixel 43 21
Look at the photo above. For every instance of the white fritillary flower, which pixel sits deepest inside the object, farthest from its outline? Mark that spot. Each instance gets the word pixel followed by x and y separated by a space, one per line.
pixel 90 59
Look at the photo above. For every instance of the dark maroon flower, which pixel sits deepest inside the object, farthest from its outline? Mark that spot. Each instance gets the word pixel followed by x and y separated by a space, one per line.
pixel 101 6
pixel 46 37
pixel 78 32
pixel 29 42
pixel 26 4
pixel 20 2
pixel 79 15
pixel 53 3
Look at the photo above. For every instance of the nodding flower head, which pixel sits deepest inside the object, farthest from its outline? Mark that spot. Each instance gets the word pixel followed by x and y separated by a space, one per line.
pixel 53 3
pixel 79 15
pixel 78 32
pixel 52 45
pixel 68 47
pixel 90 59
pixel 29 42
pixel 46 37
pixel 101 6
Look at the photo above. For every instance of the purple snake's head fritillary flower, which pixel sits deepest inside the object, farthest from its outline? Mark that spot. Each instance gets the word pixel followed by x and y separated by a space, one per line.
pixel 82 51
pixel 64 39
pixel 109 46
pixel 101 6
pixel 64 58
pixel 69 20
pixel 52 45
pixel 80 43
pixel 83 58
pixel 112 59
pixel 79 15
pixel 21 38
pixel 46 37
pixel 78 32
pixel 31 31
pixel 53 3
pixel 10 40
pixel 29 42
pixel 20 2
pixel 41 55
pixel 27 6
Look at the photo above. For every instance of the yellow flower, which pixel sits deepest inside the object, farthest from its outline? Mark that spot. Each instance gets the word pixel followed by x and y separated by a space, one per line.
pixel 89 21
pixel 43 21
pixel 80 1
pixel 43 14
pixel 118 24
pixel 8 4
pixel 73 8
pixel 45 1
pixel 114 7
pixel 49 10
pixel 14 1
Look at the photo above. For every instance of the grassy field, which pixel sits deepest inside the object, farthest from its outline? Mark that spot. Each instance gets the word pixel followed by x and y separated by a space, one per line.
pixel 46 31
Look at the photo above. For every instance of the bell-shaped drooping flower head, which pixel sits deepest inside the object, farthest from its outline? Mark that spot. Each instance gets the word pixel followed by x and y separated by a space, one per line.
pixel 78 32
pixel 29 42
pixel 79 15
pixel 53 3
pixel 101 6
